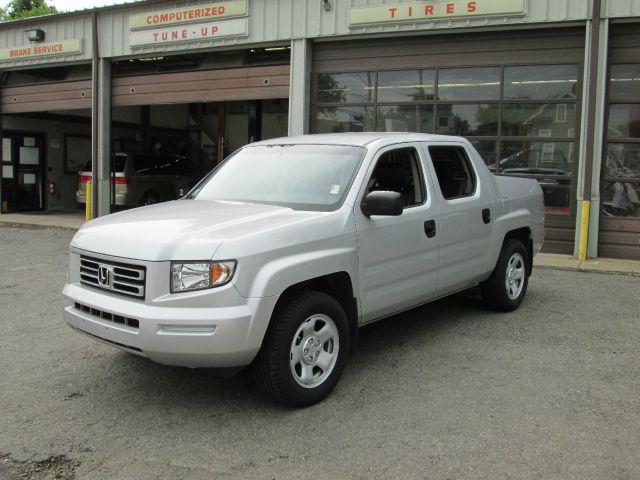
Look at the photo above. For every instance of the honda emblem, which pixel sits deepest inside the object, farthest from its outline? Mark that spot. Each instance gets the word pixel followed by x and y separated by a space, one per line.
pixel 105 276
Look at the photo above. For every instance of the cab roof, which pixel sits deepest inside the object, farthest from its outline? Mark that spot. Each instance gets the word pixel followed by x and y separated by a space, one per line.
pixel 360 139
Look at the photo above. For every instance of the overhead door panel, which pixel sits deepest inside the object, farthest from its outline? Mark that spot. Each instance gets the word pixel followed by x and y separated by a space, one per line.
pixel 46 97
pixel 248 83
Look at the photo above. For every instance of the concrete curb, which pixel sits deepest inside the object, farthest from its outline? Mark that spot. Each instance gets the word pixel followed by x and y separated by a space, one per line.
pixel 600 265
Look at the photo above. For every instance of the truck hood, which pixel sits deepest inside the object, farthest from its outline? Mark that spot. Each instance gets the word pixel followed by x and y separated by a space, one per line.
pixel 180 230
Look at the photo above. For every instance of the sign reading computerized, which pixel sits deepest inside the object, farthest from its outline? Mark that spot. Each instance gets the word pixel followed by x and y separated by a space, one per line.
pixel 64 47
pixel 189 24
pixel 431 10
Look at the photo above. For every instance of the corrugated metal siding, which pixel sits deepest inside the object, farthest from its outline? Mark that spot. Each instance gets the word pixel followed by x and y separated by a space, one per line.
pixel 621 8
pixel 249 83
pixel 529 47
pixel 277 21
pixel 56 29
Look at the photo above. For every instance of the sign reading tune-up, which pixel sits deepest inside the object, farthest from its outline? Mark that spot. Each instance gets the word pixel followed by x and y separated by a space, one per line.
pixel 65 47
pixel 196 13
pixel 404 12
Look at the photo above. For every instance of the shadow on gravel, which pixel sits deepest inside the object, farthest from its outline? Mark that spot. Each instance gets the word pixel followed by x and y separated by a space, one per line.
pixel 53 468
pixel 142 385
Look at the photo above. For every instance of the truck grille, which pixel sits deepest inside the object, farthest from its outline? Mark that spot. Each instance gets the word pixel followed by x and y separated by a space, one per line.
pixel 120 278
pixel 109 317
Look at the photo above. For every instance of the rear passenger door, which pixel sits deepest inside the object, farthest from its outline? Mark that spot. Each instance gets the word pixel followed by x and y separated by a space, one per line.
pixel 398 257
pixel 464 221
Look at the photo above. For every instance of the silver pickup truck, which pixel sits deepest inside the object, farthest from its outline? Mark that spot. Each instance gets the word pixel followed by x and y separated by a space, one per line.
pixel 278 256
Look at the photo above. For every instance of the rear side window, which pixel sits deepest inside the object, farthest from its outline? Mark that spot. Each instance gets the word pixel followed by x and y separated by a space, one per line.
pixel 453 170
pixel 399 171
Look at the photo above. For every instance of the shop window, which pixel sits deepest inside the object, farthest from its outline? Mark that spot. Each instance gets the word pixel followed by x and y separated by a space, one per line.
pixel 528 119
pixel 521 119
pixel 406 86
pixel 453 171
pixel 468 120
pixel 620 190
pixel 469 84
pixel 540 82
pixel 488 150
pixel 344 119
pixel 405 118
pixel 399 171
pixel 624 84
pixel 624 121
pixel 345 87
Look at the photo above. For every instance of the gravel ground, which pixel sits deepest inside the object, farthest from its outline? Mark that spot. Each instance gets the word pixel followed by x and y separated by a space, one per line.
pixel 449 390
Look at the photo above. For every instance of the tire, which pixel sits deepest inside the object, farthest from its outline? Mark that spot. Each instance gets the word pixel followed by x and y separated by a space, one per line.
pixel 304 351
pixel 149 198
pixel 507 285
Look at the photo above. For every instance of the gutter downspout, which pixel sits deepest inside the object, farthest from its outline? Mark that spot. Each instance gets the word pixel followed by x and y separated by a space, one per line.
pixel 590 128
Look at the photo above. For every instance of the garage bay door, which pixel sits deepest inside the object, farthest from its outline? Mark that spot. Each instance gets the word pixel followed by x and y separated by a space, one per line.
pixel 46 97
pixel 249 83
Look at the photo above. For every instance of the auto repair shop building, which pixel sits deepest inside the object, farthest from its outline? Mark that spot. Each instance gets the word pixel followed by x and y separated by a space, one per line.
pixel 544 89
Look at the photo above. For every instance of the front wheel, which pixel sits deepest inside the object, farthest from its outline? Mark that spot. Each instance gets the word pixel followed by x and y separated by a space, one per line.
pixel 507 285
pixel 305 350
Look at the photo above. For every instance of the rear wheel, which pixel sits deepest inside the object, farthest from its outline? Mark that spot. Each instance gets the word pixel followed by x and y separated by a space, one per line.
pixel 507 285
pixel 305 350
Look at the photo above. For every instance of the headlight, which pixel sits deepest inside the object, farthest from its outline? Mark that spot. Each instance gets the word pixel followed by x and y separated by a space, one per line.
pixel 188 276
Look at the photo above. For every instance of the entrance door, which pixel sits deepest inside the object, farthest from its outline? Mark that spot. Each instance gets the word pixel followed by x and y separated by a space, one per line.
pixel 22 172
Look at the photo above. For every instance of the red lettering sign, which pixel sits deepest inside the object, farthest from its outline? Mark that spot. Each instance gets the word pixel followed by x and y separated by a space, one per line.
pixel 450 8
pixel 471 7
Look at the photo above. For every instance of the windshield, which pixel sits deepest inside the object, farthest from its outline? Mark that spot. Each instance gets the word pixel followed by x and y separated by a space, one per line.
pixel 302 177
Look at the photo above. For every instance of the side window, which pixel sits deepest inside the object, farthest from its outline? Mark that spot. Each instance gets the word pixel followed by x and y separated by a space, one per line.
pixel 453 169
pixel 399 171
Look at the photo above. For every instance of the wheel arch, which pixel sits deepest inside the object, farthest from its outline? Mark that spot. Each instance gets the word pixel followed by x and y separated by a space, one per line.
pixel 337 285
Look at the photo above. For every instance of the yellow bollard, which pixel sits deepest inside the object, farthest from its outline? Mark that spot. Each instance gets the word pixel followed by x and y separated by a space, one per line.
pixel 87 203
pixel 584 230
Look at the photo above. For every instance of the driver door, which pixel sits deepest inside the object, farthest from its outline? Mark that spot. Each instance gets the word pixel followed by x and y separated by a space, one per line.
pixel 398 255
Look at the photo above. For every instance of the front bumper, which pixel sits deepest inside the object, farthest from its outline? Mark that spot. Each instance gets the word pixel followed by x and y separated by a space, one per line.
pixel 174 333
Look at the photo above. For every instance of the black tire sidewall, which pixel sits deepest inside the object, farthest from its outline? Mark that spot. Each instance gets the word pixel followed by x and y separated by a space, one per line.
pixel 503 301
pixel 289 318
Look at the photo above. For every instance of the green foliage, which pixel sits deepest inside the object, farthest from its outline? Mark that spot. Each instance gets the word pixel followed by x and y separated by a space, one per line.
pixel 25 8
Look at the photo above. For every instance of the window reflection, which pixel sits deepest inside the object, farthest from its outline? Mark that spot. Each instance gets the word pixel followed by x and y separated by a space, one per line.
pixel 536 158
pixel 621 199
pixel 624 84
pixel 624 121
pixel 467 120
pixel 345 87
pixel 487 150
pixel 539 82
pixel 623 160
pixel 406 86
pixel 539 120
pixel 405 118
pixel 344 119
pixel 469 83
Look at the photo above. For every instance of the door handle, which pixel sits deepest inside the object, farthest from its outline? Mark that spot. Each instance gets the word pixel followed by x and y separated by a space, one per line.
pixel 486 215
pixel 430 228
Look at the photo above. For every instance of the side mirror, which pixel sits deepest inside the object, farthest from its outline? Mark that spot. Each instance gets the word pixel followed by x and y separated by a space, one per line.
pixel 382 203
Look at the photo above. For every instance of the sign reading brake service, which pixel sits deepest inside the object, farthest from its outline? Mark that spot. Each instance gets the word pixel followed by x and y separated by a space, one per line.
pixel 403 12
pixel 199 22
pixel 39 50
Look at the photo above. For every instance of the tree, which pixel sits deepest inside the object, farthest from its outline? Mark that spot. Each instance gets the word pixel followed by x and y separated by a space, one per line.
pixel 26 8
